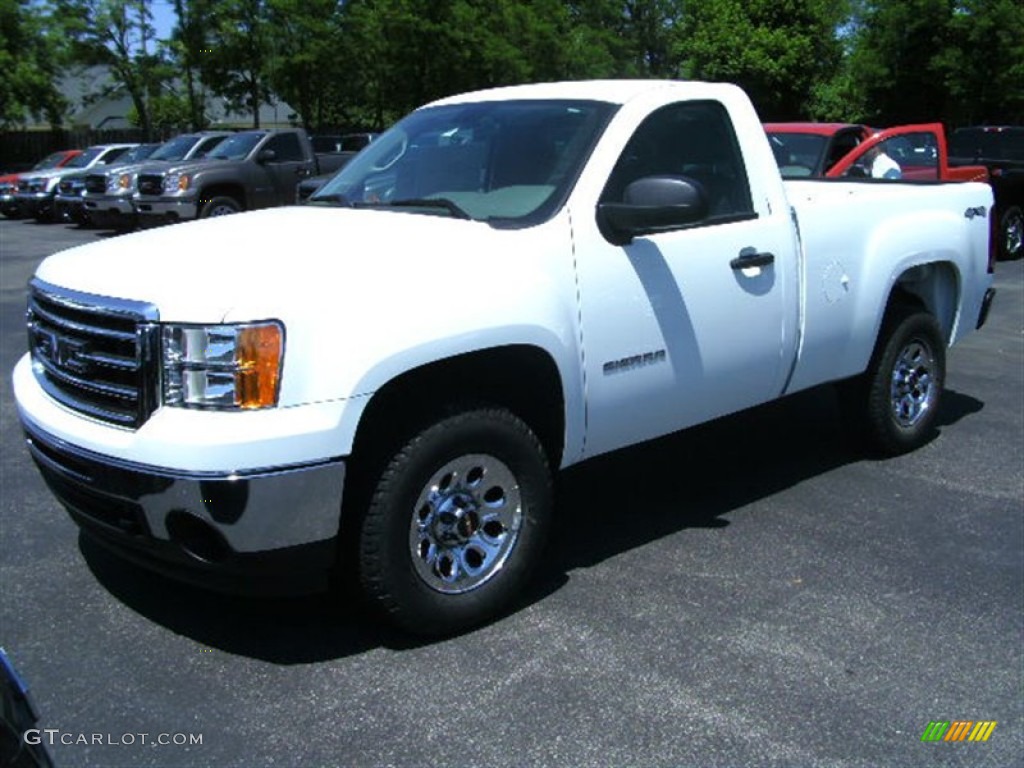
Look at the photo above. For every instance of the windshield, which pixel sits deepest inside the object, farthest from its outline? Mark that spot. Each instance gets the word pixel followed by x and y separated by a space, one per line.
pixel 797 154
pixel 83 160
pixel 175 149
pixel 512 162
pixel 50 161
pixel 136 154
pixel 236 147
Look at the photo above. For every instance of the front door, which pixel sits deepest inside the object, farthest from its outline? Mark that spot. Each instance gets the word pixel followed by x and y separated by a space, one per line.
pixel 677 329
pixel 283 172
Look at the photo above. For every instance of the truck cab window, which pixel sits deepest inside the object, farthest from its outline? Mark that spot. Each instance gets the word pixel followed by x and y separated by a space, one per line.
pixel 286 148
pixel 690 139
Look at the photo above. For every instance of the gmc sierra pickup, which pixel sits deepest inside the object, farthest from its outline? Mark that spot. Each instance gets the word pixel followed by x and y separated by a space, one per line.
pixel 108 195
pixel 249 170
pixel 503 284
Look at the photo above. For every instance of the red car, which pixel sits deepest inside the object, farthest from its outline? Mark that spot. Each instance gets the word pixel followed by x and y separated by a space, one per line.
pixel 9 182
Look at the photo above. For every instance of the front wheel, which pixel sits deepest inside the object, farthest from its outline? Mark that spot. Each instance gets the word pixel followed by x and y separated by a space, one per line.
pixel 219 206
pixel 456 523
pixel 893 405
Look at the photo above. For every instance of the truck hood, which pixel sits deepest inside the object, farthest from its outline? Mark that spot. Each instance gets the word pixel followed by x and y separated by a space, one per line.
pixel 108 170
pixel 52 173
pixel 182 166
pixel 363 294
pixel 295 260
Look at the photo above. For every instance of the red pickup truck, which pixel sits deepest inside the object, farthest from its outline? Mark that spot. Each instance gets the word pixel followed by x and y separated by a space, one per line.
pixel 908 152
pixel 834 150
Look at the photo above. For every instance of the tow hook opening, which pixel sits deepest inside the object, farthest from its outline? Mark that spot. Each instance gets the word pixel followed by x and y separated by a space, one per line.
pixel 196 537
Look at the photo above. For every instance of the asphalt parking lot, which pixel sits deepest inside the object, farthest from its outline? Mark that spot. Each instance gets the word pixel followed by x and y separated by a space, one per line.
pixel 750 593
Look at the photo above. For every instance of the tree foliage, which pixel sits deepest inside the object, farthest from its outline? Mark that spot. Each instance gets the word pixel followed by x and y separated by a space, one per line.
pixel 366 62
pixel 779 50
pixel 239 46
pixel 30 62
pixel 307 68
pixel 922 60
pixel 117 35
pixel 188 46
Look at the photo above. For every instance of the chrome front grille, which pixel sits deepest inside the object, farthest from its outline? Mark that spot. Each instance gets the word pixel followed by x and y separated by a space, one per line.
pixel 151 183
pixel 95 354
pixel 96 183
pixel 71 185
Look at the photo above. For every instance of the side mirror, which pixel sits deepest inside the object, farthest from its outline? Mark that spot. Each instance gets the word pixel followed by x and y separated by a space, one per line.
pixel 266 156
pixel 650 205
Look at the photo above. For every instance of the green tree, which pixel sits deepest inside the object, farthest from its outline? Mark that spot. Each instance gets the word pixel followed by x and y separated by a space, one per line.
pixel 309 62
pixel 899 60
pixel 612 38
pixel 168 114
pixel 30 60
pixel 235 63
pixel 117 35
pixel 403 53
pixel 778 50
pixel 983 63
pixel 188 47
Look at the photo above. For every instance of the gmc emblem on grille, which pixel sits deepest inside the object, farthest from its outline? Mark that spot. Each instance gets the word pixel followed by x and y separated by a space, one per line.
pixel 61 351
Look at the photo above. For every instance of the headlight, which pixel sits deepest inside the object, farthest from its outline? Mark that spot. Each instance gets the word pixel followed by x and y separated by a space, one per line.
pixel 223 366
pixel 120 183
pixel 176 182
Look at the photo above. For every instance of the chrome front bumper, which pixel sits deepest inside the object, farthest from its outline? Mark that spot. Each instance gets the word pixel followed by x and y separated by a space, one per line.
pixel 118 206
pixel 171 210
pixel 272 530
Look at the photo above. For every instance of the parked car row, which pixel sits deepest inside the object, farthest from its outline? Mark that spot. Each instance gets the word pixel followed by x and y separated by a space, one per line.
pixel 9 182
pixel 196 175
pixel 914 153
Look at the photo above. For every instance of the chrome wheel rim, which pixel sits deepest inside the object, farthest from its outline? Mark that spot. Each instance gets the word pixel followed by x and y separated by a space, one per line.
pixel 914 387
pixel 1015 234
pixel 465 523
pixel 221 210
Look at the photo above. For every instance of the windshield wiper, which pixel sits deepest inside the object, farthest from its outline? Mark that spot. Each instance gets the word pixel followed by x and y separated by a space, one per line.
pixel 335 199
pixel 340 199
pixel 431 202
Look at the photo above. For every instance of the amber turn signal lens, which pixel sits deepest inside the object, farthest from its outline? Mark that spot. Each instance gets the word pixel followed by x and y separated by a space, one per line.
pixel 259 365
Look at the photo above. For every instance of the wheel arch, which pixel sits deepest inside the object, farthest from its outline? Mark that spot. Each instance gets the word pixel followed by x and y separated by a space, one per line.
pixel 521 377
pixel 935 287
pixel 223 189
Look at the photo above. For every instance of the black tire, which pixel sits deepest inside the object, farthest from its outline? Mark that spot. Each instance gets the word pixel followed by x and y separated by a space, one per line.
pixel 219 206
pixel 456 523
pixel 893 405
pixel 1011 233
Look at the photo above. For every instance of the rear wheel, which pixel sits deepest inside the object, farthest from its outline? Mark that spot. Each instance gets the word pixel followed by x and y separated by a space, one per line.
pixel 456 523
pixel 1011 233
pixel 893 405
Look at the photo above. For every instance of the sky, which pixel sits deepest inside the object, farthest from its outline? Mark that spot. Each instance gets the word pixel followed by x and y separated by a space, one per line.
pixel 164 18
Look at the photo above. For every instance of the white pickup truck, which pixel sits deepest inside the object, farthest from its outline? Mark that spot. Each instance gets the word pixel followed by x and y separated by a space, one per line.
pixel 381 383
